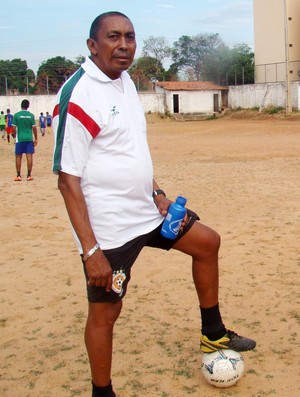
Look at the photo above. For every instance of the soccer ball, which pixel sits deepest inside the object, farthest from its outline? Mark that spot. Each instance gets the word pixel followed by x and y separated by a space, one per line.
pixel 222 368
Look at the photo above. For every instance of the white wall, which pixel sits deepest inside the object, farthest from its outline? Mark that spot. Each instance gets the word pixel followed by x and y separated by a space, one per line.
pixel 152 102
pixel 247 96
pixel 45 103
pixel 38 103
pixel 263 95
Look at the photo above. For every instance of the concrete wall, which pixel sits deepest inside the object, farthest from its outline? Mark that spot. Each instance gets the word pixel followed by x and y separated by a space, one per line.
pixel 38 103
pixel 45 103
pixel 246 96
pixel 189 102
pixel 263 95
pixel 152 102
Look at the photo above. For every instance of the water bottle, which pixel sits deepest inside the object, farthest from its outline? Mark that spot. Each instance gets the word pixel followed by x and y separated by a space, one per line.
pixel 176 213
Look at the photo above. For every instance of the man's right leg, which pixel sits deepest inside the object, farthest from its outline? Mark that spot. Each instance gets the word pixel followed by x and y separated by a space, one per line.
pixel 18 167
pixel 29 158
pixel 99 339
pixel 202 244
pixel 18 163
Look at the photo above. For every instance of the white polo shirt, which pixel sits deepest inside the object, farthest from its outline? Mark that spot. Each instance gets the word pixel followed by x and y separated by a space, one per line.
pixel 100 136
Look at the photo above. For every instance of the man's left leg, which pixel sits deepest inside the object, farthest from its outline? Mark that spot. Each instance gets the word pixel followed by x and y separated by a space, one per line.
pixel 202 244
pixel 99 341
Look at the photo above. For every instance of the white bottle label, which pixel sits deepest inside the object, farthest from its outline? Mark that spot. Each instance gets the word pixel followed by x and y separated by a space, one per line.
pixel 174 226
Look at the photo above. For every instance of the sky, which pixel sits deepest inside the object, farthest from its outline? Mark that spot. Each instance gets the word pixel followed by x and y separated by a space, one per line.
pixel 36 30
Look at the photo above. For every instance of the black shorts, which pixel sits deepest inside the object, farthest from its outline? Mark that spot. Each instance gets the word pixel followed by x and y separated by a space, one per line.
pixel 122 258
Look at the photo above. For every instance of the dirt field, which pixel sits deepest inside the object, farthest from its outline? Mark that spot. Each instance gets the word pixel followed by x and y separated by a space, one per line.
pixel 242 177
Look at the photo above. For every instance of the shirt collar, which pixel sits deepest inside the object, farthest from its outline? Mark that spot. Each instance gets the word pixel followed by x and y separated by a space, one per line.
pixel 94 72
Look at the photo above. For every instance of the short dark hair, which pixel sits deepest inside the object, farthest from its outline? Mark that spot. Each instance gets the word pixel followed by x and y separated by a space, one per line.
pixel 25 104
pixel 96 25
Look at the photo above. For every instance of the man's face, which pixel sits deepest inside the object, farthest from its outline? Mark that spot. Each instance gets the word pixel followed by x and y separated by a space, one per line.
pixel 114 49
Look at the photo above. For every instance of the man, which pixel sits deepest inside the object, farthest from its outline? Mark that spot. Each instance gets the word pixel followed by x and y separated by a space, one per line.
pixel 23 129
pixel 42 121
pixel 2 124
pixel 9 127
pixel 114 204
pixel 48 122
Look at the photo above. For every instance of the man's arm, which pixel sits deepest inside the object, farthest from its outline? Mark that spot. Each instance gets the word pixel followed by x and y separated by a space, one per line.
pixel 97 265
pixel 163 203
pixel 34 130
pixel 161 200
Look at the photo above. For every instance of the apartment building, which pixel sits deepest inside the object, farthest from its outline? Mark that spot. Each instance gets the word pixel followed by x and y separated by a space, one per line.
pixel 277 40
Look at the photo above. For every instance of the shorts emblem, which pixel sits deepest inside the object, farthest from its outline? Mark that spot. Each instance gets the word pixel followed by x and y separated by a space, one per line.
pixel 118 279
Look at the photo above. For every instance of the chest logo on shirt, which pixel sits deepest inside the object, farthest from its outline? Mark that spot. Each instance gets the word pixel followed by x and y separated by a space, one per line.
pixel 118 279
pixel 114 111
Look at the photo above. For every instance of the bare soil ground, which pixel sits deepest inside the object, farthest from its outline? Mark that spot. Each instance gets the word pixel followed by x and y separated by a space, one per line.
pixel 241 175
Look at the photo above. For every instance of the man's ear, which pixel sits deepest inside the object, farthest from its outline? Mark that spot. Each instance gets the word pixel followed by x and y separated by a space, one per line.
pixel 92 46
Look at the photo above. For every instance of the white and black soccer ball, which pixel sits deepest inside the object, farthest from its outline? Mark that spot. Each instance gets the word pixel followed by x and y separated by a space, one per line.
pixel 222 368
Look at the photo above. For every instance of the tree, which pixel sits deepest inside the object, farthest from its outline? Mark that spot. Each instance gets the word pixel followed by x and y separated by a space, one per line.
pixel 15 76
pixel 218 65
pixel 157 47
pixel 171 74
pixel 53 73
pixel 242 65
pixel 189 53
pixel 79 60
pixel 145 71
pixel 231 66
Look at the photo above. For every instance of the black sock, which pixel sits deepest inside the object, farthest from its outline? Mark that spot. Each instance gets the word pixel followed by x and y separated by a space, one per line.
pixel 212 324
pixel 18 173
pixel 106 391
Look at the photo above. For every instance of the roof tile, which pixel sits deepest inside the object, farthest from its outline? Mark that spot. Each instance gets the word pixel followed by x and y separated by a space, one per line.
pixel 190 86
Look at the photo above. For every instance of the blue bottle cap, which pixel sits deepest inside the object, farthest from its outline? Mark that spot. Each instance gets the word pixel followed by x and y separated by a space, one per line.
pixel 181 200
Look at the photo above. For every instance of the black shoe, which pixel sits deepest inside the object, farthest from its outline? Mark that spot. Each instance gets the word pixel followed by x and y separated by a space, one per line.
pixel 230 340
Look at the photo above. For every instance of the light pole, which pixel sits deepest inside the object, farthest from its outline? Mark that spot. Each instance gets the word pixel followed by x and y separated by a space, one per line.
pixel 288 106
pixel 6 86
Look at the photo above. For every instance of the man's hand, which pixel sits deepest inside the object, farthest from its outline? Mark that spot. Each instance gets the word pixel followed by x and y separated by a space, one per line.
pixel 163 204
pixel 99 271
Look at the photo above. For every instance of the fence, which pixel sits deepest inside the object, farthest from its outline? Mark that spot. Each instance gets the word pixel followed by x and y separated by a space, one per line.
pixel 276 72
pixel 263 95
pixel 245 96
pixel 151 102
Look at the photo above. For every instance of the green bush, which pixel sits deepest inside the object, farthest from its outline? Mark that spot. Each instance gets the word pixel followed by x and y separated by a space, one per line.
pixel 272 110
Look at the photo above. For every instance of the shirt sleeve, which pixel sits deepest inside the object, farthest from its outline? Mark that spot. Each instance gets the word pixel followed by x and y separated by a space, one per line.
pixel 71 155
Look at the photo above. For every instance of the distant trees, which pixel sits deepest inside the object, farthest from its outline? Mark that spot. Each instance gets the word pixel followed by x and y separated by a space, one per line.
pixel 190 54
pixel 231 66
pixel 200 57
pixel 206 57
pixel 148 69
pixel 15 77
pixel 53 73
pixel 145 71
pixel 157 47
